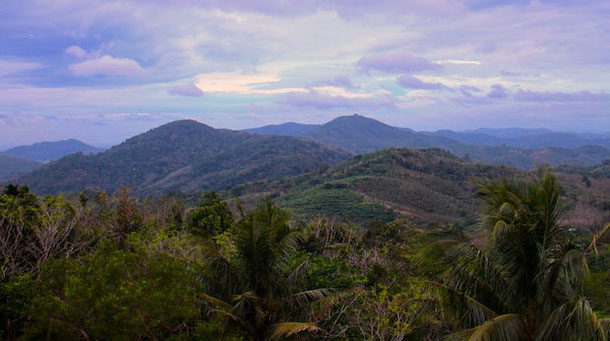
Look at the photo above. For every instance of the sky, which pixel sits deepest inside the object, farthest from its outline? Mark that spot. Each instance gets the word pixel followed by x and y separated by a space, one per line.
pixel 103 70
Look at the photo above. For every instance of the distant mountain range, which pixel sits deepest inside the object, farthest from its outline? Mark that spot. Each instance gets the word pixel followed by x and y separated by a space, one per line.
pixel 186 156
pixel 289 129
pixel 512 137
pixel 12 166
pixel 523 148
pixel 190 156
pixel 49 151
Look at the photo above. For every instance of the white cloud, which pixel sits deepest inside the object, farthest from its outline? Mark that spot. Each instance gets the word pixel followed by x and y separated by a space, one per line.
pixel 106 66
pixel 9 67
pixel 239 83
pixel 76 51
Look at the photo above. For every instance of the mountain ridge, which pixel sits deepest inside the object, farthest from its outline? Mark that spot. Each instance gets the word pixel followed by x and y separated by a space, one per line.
pixel 51 150
pixel 183 155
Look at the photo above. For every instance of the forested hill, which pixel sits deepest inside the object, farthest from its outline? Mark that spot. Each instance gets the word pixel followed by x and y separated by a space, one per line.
pixel 361 134
pixel 521 148
pixel 428 185
pixel 183 155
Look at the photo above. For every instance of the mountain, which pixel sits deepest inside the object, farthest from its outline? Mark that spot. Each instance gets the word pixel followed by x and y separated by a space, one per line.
pixel 359 134
pixel 530 158
pixel 49 151
pixel 473 138
pixel 524 138
pixel 183 155
pixel 509 132
pixel 12 166
pixel 289 129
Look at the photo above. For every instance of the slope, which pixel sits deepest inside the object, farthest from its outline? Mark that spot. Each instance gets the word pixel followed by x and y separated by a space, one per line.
pixel 12 166
pixel 183 155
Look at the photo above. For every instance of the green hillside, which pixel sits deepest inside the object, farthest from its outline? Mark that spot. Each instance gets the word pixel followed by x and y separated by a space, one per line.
pixel 429 185
pixel 186 156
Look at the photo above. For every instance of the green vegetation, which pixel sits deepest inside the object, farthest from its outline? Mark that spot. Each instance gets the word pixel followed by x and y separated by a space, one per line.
pixel 527 282
pixel 99 266
pixel 182 156
pixel 211 217
pixel 12 166
pixel 428 186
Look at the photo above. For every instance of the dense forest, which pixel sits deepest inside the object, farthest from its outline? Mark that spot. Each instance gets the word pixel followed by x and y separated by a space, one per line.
pixel 96 266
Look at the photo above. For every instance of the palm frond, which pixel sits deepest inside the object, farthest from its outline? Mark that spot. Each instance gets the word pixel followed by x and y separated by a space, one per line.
pixel 505 327
pixel 215 302
pixel 306 297
pixel 286 329
pixel 599 237
pixel 463 309
pixel 572 318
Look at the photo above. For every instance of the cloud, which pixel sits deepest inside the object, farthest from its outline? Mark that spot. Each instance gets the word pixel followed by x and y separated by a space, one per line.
pixel 315 99
pixel 11 67
pixel 410 82
pixel 498 91
pixel 395 62
pixel 545 96
pixel 188 90
pixel 459 62
pixel 340 81
pixel 76 51
pixel 106 66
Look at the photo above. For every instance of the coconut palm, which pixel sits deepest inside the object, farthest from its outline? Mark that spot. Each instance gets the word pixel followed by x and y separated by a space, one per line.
pixel 254 284
pixel 527 283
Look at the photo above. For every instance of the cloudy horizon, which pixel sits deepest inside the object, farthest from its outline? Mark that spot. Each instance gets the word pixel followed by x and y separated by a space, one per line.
pixel 102 71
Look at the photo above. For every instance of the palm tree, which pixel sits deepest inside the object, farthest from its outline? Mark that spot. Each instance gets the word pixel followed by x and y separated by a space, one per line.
pixel 253 283
pixel 527 283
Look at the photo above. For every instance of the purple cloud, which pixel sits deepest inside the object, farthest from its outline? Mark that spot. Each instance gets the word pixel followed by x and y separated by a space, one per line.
pixel 410 82
pixel 188 90
pixel 321 101
pixel 340 81
pixel 498 91
pixel 544 96
pixel 395 62
pixel 106 66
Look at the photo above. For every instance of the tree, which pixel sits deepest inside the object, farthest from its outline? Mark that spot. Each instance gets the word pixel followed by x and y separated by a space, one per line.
pixel 252 283
pixel 211 217
pixel 527 284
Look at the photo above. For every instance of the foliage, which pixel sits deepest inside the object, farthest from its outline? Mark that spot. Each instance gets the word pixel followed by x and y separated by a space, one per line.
pixel 255 287
pixel 528 283
pixel 211 217
pixel 99 266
